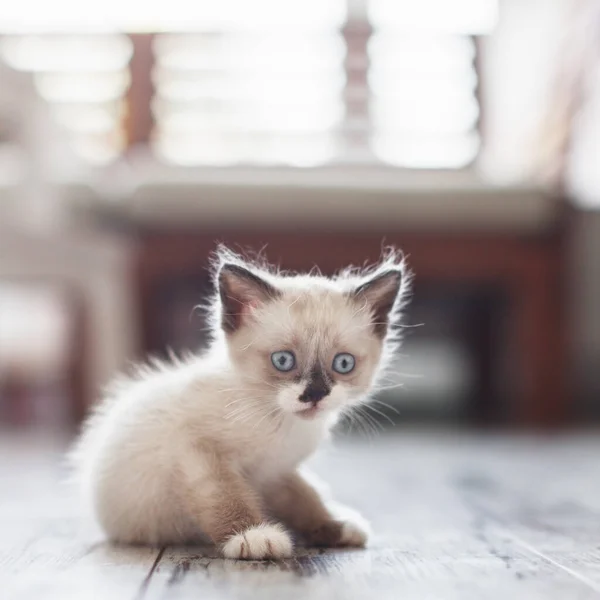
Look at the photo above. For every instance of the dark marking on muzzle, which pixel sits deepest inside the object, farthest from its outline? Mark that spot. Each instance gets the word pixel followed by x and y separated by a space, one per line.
pixel 318 386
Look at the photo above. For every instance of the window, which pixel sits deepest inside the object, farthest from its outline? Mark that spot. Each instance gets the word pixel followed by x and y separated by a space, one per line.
pixel 85 80
pixel 289 82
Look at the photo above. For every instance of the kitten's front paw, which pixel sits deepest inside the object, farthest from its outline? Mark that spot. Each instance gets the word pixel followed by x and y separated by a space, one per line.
pixel 259 543
pixel 337 534
pixel 353 535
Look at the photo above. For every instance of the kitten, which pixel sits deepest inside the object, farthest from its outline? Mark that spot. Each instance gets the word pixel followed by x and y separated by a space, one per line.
pixel 210 448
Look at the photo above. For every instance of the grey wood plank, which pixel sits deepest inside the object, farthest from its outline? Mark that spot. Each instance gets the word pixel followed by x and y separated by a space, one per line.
pixel 494 569
pixel 59 571
pixel 549 504
pixel 45 551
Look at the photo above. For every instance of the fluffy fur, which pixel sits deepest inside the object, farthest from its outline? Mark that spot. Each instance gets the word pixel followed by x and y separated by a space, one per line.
pixel 209 448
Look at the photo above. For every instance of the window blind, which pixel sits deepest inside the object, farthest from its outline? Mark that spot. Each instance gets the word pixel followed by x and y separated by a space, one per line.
pixel 272 82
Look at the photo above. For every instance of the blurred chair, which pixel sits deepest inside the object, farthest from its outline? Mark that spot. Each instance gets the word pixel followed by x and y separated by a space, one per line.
pixel 44 353
pixel 89 270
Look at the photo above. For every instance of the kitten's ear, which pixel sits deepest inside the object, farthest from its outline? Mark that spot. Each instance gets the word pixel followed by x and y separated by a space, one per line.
pixel 380 294
pixel 241 291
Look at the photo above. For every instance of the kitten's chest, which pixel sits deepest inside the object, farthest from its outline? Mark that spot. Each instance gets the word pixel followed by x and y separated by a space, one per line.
pixel 283 453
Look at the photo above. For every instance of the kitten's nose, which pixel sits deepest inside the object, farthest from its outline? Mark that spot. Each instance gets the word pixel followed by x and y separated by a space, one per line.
pixel 318 387
pixel 314 394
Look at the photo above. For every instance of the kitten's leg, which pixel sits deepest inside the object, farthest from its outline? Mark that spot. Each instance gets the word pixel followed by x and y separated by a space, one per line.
pixel 296 502
pixel 226 508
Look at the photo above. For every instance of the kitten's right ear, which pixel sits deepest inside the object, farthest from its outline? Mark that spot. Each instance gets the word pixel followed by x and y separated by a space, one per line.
pixel 241 291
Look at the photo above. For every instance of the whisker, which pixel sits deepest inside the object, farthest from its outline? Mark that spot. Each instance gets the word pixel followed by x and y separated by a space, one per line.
pixel 241 389
pixel 258 380
pixel 379 413
pixel 244 417
pixel 238 400
pixel 377 427
pixel 364 425
pixel 265 416
pixel 393 408
pixel 380 388
pixel 348 416
pixel 361 429
pixel 241 409
pixel 352 419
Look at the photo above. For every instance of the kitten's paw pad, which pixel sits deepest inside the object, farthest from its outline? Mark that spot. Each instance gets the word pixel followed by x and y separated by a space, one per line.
pixel 353 535
pixel 259 543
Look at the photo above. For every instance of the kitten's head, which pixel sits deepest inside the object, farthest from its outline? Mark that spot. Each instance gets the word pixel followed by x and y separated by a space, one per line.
pixel 313 344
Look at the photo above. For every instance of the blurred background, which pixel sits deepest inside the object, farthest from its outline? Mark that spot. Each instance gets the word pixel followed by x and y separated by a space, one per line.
pixel 134 137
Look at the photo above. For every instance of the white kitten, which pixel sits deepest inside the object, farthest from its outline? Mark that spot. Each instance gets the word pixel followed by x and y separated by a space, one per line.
pixel 209 448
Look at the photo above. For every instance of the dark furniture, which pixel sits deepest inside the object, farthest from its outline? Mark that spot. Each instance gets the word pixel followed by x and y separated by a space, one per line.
pixel 521 353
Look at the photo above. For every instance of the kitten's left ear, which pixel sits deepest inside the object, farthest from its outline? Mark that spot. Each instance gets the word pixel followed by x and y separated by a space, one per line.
pixel 380 294
pixel 241 290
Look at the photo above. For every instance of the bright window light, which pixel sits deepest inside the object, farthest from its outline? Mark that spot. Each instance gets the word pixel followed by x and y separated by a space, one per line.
pixel 427 53
pixel 82 87
pixel 221 149
pixel 238 52
pixel 242 98
pixel 423 108
pixel 84 79
pixel 446 87
pixel 468 17
pixel 67 53
pixel 249 87
pixel 88 119
pixel 260 117
pixel 426 152
pixel 74 16
pixel 425 115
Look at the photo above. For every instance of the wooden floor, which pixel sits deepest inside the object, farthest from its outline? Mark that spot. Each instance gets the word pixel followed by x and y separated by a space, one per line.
pixel 455 516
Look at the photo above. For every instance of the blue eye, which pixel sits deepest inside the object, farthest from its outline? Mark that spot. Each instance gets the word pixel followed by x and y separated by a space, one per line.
pixel 343 363
pixel 283 360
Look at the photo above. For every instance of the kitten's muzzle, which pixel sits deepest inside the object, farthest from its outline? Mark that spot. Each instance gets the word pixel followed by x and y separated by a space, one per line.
pixel 317 388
